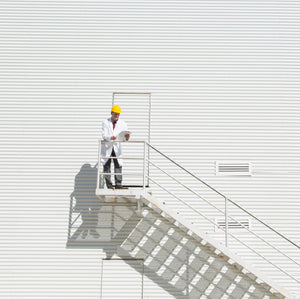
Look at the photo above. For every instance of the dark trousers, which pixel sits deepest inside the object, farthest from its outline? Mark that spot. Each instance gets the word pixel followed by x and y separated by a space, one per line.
pixel 118 169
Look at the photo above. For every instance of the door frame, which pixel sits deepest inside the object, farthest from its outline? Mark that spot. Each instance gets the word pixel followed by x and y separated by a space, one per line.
pixel 149 121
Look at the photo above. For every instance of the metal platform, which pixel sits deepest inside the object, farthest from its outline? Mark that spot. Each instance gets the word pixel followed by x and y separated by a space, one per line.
pixel 122 195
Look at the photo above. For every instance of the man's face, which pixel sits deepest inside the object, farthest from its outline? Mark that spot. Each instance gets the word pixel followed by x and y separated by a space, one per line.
pixel 115 116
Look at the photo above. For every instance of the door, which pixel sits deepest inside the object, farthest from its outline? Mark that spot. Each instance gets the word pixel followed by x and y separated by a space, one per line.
pixel 136 111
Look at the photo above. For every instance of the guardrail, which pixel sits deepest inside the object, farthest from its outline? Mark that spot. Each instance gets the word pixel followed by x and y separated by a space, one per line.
pixel 148 163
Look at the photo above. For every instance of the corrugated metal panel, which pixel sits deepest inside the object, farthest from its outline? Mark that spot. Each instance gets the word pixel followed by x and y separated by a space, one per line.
pixel 122 279
pixel 224 78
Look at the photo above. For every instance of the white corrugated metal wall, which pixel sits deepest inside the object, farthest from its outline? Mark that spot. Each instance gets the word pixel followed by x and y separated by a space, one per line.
pixel 224 78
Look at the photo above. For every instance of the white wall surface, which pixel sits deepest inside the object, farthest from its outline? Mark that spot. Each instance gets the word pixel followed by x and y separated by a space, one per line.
pixel 224 78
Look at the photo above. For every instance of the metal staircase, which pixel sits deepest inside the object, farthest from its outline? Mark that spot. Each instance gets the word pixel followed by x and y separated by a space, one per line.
pixel 178 252
pixel 213 269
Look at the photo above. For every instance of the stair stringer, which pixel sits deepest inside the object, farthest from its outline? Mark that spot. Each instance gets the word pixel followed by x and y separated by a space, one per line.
pixel 243 267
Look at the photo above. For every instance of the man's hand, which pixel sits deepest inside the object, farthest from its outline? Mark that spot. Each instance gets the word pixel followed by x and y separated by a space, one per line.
pixel 113 138
pixel 127 136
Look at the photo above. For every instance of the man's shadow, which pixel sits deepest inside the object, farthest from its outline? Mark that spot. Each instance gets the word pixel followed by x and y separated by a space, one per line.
pixel 86 203
pixel 94 223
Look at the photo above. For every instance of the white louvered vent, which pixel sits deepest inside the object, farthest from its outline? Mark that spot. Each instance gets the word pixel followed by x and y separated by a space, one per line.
pixel 232 224
pixel 233 168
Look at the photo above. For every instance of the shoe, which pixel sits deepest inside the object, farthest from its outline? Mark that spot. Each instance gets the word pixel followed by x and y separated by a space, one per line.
pixel 121 187
pixel 110 187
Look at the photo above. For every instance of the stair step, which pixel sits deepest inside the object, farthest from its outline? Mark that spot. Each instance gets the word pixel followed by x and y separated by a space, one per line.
pixel 221 271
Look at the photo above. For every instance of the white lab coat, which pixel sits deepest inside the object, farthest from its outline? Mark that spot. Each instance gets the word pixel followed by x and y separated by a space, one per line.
pixel 107 132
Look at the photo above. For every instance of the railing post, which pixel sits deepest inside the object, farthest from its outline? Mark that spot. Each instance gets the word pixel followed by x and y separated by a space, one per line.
pixel 70 217
pixel 144 167
pixel 99 164
pixel 226 223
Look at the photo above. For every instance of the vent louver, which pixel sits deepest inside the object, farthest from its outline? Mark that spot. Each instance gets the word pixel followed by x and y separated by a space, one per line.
pixel 232 224
pixel 233 168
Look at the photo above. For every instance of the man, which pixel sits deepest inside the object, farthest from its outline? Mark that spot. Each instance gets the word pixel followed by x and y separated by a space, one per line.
pixel 111 128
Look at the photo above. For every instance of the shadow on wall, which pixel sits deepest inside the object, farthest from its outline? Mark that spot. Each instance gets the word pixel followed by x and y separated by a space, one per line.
pixel 180 263
pixel 94 223
pixel 87 204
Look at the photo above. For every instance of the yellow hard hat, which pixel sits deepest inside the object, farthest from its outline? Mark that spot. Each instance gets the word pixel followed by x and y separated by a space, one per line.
pixel 116 109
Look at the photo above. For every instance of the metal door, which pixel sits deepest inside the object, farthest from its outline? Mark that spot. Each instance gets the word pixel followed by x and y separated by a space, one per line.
pixel 136 111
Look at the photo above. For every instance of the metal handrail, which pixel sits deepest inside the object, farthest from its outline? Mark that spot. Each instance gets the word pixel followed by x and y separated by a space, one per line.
pixel 225 197
pixel 232 218
pixel 203 182
pixel 253 250
pixel 100 157
pixel 122 141
pixel 198 212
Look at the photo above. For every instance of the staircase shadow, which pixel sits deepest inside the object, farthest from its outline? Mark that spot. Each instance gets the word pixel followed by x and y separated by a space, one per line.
pixel 94 223
pixel 174 259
